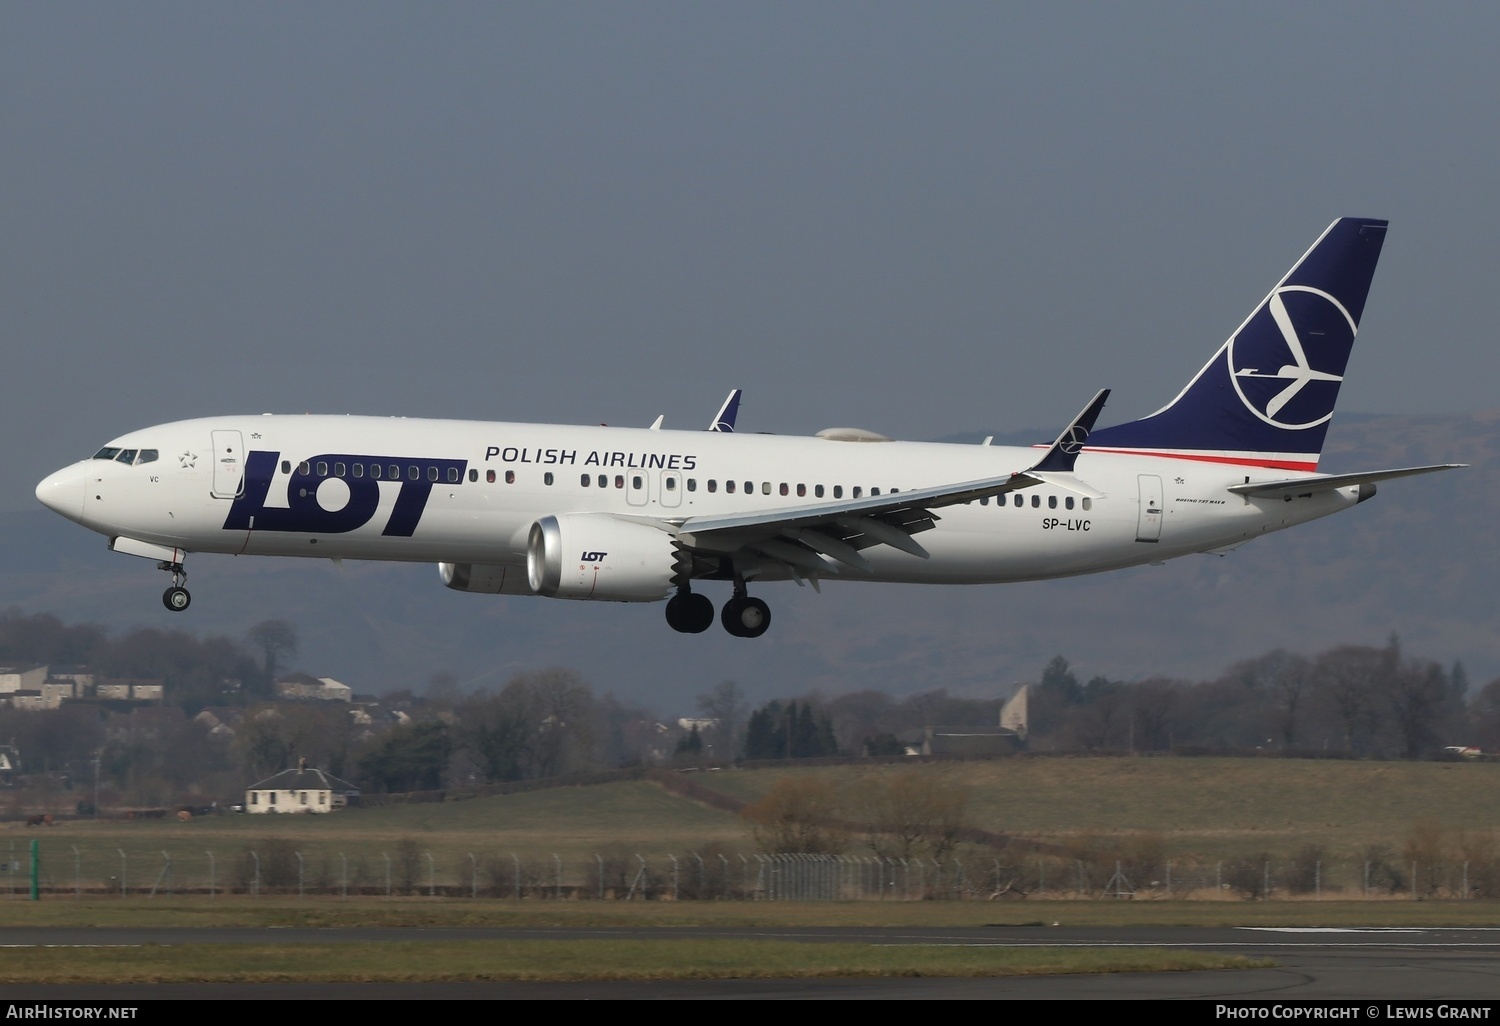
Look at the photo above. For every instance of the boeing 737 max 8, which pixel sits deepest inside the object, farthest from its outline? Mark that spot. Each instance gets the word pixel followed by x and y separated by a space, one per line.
pixel 641 515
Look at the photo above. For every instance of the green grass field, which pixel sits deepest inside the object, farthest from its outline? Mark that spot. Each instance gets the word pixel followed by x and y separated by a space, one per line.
pixel 1193 812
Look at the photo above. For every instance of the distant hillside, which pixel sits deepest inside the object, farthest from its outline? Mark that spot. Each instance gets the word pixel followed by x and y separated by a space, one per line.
pixel 1420 559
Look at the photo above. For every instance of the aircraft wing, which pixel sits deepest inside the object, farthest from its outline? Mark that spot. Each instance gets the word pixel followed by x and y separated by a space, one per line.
pixel 1296 486
pixel 826 538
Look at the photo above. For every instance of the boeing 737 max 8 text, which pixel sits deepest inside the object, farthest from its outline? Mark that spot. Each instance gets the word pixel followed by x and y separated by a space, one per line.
pixel 641 515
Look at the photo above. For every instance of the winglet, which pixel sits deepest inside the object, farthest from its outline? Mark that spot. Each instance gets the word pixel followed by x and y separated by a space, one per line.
pixel 724 420
pixel 1064 452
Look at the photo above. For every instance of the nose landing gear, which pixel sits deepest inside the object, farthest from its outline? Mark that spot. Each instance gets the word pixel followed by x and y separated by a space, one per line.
pixel 175 598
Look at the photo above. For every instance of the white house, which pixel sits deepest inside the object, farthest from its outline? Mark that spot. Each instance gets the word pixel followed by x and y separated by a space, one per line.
pixel 299 790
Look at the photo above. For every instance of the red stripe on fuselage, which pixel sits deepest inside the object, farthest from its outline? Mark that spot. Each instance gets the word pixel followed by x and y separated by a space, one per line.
pixel 1234 461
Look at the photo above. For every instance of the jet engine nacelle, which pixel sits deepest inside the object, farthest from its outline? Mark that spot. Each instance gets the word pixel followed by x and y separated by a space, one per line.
pixel 597 556
pixel 485 578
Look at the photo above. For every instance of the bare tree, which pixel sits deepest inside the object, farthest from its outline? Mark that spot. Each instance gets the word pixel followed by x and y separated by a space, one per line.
pixel 726 705
pixel 277 640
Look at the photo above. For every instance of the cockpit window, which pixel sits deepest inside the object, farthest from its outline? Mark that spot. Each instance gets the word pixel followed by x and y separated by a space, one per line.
pixel 106 453
pixel 127 457
pixel 146 456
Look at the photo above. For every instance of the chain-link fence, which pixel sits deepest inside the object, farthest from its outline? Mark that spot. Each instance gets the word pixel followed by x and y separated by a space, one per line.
pixel 284 867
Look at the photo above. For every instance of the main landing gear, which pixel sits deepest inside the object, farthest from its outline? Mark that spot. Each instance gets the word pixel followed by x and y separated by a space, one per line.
pixel 689 613
pixel 175 598
pixel 742 616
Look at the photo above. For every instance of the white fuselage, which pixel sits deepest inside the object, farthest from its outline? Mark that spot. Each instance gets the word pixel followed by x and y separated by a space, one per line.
pixel 469 492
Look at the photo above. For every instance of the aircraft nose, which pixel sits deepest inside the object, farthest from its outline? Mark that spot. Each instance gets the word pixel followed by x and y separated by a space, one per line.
pixel 63 492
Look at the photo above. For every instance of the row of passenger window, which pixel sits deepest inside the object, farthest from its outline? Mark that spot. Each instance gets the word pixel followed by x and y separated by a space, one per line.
pixel 127 456
pixel 377 471
pixel 1036 501
pixel 392 472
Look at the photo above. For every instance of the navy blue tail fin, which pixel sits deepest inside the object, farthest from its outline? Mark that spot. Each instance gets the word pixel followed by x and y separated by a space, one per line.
pixel 1267 395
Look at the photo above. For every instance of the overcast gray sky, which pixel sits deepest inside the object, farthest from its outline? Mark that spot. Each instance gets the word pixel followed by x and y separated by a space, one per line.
pixel 917 218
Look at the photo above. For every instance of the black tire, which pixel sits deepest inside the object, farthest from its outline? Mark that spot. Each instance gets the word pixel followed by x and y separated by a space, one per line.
pixel 729 617
pixel 176 599
pixel 698 613
pixel 677 611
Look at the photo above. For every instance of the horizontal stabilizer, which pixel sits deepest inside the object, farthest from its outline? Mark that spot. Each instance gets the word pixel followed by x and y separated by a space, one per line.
pixel 1294 486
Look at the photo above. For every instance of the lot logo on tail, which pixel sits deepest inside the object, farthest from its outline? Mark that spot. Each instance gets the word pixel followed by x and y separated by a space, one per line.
pixel 1288 362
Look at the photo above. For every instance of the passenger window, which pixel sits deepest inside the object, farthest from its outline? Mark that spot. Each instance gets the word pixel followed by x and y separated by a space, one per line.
pixel 729 487
pixel 586 480
pixel 603 480
pixel 1020 501
pixel 489 477
pixel 818 490
pixel 671 484
pixel 984 500
pixel 510 477
pixel 454 475
pixel 146 456
pixel 127 457
pixel 547 478
pixel 784 489
pixel 322 469
pixel 857 492
pixel 765 488
pixel 1036 501
pixel 838 491
pixel 635 482
pixel 692 484
pixel 286 466
pixel 713 485
pixel 619 480
pixel 358 470
pixel 394 472
pixel 338 470
pixel 1088 504
pixel 1051 502
pixel 1068 502
pixel 473 475
pixel 874 491
pixel 801 490
pixel 749 487
pixel 432 473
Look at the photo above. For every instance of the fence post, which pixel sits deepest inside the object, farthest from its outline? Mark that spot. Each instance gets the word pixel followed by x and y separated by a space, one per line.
pixel 211 880
pixel 255 883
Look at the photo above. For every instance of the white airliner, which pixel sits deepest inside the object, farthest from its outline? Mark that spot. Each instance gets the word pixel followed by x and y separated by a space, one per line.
pixel 641 515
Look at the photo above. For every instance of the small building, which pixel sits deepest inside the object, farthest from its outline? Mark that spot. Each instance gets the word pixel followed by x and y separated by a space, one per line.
pixel 299 790
pixel 304 687
pixel 22 678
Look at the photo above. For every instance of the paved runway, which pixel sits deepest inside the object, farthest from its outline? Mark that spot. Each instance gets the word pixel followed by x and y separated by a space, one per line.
pixel 1355 964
